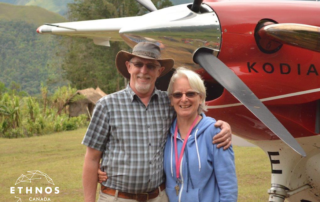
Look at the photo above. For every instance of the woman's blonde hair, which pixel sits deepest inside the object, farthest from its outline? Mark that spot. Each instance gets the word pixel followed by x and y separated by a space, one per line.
pixel 195 82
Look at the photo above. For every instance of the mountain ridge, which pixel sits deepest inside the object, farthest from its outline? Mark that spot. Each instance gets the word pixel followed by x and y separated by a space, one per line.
pixel 29 14
pixel 52 5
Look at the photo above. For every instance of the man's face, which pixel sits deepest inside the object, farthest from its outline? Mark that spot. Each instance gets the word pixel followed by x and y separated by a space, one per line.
pixel 144 73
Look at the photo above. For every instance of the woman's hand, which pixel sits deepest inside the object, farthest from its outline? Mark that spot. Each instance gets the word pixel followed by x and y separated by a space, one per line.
pixel 102 176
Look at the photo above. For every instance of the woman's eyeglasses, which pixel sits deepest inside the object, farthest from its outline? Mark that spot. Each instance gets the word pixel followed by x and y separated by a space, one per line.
pixel 150 66
pixel 178 95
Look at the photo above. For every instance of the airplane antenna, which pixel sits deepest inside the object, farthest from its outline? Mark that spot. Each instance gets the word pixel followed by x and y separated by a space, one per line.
pixel 196 6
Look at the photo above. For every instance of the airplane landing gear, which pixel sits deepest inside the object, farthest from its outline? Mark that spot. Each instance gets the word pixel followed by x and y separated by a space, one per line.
pixel 277 193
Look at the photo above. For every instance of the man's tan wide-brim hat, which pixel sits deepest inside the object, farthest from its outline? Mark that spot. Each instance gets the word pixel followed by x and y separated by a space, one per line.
pixel 146 50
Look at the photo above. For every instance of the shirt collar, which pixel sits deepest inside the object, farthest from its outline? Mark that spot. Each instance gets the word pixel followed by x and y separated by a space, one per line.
pixel 132 94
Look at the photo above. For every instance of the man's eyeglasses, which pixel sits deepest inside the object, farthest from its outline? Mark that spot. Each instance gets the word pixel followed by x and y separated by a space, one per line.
pixel 190 94
pixel 150 66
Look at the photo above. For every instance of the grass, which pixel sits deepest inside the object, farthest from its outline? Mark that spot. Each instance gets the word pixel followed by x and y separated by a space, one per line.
pixel 254 174
pixel 60 155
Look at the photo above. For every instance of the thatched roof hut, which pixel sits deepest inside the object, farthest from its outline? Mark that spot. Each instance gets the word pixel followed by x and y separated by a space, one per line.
pixel 84 101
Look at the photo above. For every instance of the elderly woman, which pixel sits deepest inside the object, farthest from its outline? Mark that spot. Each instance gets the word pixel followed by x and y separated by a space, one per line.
pixel 195 169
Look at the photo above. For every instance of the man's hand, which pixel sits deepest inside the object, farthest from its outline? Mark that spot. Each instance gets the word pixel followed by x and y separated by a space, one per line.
pixel 102 176
pixel 225 135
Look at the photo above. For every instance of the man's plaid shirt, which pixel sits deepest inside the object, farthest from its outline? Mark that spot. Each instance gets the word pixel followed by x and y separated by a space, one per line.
pixel 131 137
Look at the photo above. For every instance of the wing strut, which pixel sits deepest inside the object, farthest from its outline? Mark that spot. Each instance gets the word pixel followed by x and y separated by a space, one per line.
pixel 147 4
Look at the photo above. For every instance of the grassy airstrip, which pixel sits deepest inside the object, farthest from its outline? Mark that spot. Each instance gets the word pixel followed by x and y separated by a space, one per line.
pixel 60 155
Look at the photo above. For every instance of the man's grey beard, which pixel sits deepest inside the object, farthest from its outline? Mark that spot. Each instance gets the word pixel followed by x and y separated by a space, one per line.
pixel 142 88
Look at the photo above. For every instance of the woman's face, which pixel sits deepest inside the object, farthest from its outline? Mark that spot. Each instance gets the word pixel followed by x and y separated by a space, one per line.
pixel 188 103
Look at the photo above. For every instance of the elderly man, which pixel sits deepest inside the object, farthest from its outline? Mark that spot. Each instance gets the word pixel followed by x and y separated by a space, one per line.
pixel 128 132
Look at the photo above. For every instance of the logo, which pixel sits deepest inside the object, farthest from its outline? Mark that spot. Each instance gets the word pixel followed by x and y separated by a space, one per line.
pixel 34 186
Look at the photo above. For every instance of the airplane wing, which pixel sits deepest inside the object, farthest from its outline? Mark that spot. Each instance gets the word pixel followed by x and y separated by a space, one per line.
pixel 101 31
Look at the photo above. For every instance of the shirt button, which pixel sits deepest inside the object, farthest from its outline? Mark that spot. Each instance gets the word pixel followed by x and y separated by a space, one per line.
pixel 150 162
pixel 150 144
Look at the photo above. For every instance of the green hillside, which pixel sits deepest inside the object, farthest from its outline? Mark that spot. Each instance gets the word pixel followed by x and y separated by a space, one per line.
pixel 30 14
pixel 52 5
pixel 26 57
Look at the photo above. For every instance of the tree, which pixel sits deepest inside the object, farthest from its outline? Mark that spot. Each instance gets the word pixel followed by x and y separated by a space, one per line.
pixel 10 108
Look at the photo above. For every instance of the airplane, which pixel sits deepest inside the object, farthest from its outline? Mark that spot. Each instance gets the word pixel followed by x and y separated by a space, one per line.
pixel 261 63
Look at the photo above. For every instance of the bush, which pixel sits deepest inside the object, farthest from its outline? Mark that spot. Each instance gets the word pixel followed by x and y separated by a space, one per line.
pixel 25 117
pixel 75 122
pixel 14 133
pixel 70 124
